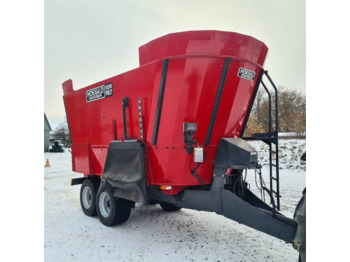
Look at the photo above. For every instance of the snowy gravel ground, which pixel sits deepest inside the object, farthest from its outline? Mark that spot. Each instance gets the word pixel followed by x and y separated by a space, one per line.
pixel 151 234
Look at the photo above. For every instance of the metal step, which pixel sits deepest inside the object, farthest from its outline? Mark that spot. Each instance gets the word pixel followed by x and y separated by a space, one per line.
pixel 273 191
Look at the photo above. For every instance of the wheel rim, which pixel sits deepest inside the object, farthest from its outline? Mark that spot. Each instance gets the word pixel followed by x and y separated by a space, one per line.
pixel 87 197
pixel 105 204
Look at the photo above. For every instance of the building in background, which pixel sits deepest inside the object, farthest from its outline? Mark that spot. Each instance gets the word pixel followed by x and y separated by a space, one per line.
pixel 47 129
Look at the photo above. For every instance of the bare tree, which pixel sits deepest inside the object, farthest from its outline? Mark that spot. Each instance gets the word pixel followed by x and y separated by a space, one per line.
pixel 291 111
pixel 62 133
pixel 253 126
pixel 259 99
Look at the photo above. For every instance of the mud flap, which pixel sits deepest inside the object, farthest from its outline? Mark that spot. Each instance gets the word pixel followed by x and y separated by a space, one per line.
pixel 124 170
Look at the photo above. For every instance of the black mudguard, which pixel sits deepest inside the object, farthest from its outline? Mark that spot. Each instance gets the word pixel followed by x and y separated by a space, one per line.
pixel 124 170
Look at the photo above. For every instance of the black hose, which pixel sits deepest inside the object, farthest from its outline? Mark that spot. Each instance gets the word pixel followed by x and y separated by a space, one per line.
pixel 196 176
pixel 263 187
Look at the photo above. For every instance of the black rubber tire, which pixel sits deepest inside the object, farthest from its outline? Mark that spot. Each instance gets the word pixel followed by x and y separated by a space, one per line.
pixel 89 211
pixel 300 234
pixel 120 209
pixel 169 207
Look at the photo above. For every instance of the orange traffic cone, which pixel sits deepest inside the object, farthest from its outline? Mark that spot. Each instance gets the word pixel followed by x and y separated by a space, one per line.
pixel 47 163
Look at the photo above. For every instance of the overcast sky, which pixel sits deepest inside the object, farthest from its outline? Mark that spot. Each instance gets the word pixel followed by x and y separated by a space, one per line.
pixel 88 41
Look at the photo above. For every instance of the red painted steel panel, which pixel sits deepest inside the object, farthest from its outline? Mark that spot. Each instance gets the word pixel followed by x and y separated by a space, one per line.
pixel 98 156
pixel 196 61
pixel 80 158
pixel 216 43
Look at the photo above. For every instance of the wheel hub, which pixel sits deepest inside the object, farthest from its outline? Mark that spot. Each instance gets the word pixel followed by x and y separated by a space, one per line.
pixel 87 197
pixel 105 204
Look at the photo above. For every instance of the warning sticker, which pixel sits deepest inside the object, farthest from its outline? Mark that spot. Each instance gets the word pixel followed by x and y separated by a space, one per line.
pixel 246 73
pixel 99 92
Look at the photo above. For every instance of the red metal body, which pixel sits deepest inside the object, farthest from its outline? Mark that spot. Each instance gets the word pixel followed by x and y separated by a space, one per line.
pixel 196 60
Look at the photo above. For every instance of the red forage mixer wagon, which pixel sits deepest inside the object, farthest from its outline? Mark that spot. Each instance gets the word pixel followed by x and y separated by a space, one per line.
pixel 171 132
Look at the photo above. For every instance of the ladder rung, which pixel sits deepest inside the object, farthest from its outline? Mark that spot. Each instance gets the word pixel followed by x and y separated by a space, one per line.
pixel 273 165
pixel 276 194
pixel 274 178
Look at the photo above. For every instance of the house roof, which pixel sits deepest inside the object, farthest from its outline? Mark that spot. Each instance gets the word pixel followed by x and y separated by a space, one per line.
pixel 46 124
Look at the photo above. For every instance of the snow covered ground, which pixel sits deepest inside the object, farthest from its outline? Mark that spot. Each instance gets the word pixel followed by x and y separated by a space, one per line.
pixel 152 234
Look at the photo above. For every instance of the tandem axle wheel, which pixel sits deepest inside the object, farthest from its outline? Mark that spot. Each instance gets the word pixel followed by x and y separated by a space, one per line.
pixel 111 210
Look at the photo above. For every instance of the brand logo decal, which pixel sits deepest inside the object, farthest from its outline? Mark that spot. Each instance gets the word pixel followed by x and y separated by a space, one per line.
pixel 246 73
pixel 99 92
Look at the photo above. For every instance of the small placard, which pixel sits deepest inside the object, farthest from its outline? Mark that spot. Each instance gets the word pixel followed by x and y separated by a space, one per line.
pixel 246 73
pixel 99 92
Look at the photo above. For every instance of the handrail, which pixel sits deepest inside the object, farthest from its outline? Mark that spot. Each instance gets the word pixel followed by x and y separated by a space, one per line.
pixel 276 130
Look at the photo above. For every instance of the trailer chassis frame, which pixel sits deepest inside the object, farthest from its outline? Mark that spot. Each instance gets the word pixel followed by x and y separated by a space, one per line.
pixel 250 211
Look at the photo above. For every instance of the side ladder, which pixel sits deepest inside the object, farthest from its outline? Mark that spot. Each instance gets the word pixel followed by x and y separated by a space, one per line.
pixel 271 138
pixel 274 142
